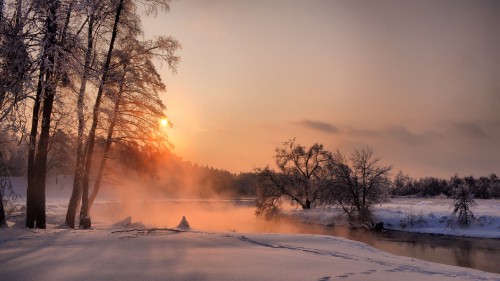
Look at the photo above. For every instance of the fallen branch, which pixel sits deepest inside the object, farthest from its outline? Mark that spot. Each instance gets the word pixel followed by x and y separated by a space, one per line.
pixel 148 230
pixel 145 231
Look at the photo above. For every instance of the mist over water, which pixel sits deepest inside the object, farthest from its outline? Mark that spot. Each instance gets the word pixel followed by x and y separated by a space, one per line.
pixel 202 214
pixel 148 204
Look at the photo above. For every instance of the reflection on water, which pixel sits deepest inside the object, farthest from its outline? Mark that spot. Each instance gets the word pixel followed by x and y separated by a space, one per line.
pixel 462 254
pixel 482 254
pixel 238 216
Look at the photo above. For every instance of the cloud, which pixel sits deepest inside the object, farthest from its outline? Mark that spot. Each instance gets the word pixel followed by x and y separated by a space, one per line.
pixel 398 134
pixel 406 136
pixel 317 125
pixel 469 129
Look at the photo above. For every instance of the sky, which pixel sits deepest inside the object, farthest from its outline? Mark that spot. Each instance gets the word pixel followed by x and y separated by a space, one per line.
pixel 417 81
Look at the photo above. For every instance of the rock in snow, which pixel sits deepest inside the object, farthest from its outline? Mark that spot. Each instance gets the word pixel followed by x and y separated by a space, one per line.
pixel 183 224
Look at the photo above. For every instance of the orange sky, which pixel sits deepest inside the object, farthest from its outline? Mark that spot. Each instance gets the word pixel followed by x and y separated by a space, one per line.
pixel 419 81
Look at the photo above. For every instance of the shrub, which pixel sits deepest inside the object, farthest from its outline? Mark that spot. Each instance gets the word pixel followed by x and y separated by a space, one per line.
pixel 463 200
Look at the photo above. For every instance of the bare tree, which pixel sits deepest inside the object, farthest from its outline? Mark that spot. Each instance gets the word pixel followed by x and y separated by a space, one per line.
pixel 302 176
pixel 358 183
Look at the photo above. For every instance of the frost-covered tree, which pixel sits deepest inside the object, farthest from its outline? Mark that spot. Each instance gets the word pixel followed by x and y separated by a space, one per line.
pixel 84 215
pixel 43 104
pixel 123 12
pixel 97 15
pixel 55 55
pixel 48 37
pixel 463 201
pixel 135 107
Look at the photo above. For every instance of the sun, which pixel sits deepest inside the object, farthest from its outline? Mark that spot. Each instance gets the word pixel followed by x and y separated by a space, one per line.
pixel 164 122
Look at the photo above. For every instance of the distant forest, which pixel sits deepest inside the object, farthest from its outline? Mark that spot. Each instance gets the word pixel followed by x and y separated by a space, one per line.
pixel 484 187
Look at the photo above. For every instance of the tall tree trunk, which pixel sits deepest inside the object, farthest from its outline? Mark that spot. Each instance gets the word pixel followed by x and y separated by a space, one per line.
pixel 76 194
pixel 109 139
pixel 36 180
pixel 84 215
pixel 308 204
pixel 3 221
pixel 2 90
pixel 30 204
pixel 4 175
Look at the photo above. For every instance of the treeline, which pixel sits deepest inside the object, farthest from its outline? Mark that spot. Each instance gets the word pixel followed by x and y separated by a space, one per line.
pixel 169 174
pixel 484 187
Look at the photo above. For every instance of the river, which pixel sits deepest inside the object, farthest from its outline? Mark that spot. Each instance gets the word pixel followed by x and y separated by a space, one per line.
pixel 239 216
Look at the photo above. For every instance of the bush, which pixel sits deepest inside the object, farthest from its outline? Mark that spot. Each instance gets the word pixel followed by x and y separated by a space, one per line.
pixel 463 201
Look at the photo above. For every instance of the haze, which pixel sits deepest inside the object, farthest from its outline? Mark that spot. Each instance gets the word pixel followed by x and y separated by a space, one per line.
pixel 418 81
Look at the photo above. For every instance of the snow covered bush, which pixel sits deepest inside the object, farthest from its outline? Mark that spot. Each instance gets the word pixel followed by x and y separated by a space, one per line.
pixel 411 219
pixel 8 197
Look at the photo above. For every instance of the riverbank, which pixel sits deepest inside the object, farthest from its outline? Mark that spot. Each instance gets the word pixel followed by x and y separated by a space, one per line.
pixel 421 215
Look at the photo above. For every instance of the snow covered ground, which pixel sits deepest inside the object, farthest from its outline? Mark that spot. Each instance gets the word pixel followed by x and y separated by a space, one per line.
pixel 105 254
pixel 101 254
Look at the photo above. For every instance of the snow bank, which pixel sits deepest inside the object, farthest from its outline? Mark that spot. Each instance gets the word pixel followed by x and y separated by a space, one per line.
pixel 418 215
pixel 434 216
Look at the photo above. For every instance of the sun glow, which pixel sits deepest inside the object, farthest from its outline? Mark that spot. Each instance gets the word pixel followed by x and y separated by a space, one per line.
pixel 164 122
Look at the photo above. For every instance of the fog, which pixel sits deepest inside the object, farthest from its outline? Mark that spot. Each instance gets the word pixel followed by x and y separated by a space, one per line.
pixel 153 208
pixel 206 215
pixel 162 200
pixel 155 203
